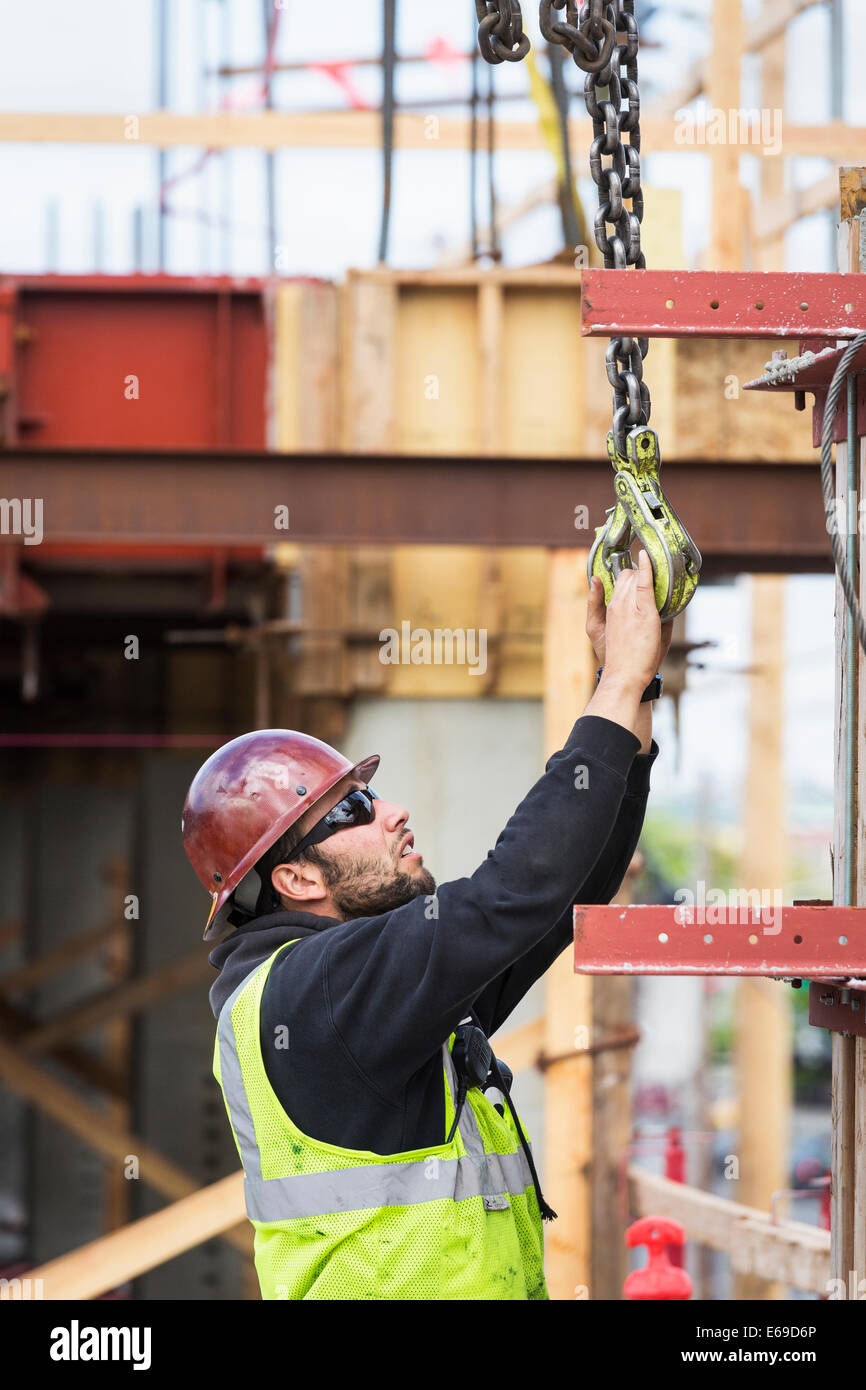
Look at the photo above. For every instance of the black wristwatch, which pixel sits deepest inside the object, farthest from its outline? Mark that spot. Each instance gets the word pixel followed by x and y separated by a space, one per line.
pixel 652 692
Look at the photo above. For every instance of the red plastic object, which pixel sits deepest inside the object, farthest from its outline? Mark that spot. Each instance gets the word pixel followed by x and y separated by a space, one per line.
pixel 658 1279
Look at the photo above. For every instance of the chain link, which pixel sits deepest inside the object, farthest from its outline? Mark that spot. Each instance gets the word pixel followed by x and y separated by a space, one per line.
pixel 612 98
pixel 500 31
pixel 603 39
pixel 588 34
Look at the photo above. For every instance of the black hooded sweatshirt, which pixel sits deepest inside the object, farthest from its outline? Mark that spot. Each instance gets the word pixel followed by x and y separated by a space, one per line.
pixel 368 1003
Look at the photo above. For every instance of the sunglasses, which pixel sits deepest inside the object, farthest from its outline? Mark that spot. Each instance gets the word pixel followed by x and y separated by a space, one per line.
pixel 356 808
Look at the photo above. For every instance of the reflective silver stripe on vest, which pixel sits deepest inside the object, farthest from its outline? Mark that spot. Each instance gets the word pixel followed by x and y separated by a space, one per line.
pixel 371 1185
pixel 234 1089
pixel 382 1185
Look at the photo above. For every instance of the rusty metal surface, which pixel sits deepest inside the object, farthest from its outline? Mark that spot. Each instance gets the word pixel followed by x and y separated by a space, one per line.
pixel 812 370
pixel 780 942
pixel 838 1009
pixel 743 516
pixel 679 304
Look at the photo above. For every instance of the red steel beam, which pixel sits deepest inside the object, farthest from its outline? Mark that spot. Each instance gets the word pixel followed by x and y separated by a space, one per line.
pixel 721 304
pixel 743 516
pixel 780 942
pixel 141 361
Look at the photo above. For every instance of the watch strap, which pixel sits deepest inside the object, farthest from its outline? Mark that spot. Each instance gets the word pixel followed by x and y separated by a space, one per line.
pixel 652 692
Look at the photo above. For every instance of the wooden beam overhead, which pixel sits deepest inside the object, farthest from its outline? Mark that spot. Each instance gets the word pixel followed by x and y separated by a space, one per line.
pixel 274 130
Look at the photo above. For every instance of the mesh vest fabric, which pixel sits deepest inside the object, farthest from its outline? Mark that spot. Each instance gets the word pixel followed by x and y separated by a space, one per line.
pixel 456 1221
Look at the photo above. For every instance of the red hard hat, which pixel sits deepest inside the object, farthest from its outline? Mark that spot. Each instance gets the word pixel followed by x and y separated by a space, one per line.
pixel 247 795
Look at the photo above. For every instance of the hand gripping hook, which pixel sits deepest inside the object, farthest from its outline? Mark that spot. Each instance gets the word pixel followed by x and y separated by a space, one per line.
pixel 643 512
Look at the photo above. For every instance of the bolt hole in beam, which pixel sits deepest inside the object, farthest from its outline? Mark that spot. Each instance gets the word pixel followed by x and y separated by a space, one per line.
pixel 813 940
pixel 672 304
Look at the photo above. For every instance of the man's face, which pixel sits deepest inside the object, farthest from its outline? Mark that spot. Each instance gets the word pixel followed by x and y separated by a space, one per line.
pixel 369 869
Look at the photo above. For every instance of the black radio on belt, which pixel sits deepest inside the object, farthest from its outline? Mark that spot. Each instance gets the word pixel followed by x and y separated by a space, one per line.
pixel 473 1058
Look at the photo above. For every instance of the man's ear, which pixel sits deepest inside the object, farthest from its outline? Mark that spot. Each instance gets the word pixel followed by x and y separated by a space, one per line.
pixel 301 882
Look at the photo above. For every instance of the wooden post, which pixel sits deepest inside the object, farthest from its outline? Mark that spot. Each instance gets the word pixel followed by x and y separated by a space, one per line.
pixel 772 252
pixel 569 671
pixel 724 73
pixel 612 1016
pixel 764 1026
pixel 848 1147
pixel 586 1101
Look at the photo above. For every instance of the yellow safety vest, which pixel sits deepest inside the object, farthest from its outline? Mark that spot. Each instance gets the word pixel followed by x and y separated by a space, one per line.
pixel 456 1221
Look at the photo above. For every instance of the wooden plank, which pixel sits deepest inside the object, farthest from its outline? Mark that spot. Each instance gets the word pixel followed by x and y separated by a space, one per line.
pixel 303 379
pixel 764 1022
pixel 130 997
pixel 542 386
pixel 33 1083
pixel 774 19
pixel 784 1252
pixel 16 1023
pixel 768 26
pixel 370 609
pixel 569 675
pixel 438 371
pixel 779 213
pixel 548 275
pixel 362 130
pixel 321 667
pixel 490 354
pixel 369 326
pixel 612 1015
pixel 842 1155
pixel 43 967
pixel 115 1259
pixel 772 251
pixel 724 67
pixel 552 394
pixel 438 587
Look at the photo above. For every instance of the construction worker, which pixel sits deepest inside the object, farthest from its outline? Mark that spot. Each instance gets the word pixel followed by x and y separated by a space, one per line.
pixel 382 1153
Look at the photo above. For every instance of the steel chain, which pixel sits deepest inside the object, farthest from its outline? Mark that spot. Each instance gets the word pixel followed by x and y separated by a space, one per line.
pixel 602 37
pixel 500 31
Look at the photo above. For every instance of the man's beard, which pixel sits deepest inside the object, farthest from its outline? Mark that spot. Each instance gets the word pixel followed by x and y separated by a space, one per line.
pixel 360 892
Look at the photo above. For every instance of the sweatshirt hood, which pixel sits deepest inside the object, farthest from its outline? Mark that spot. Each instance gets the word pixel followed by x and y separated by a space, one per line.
pixel 246 947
